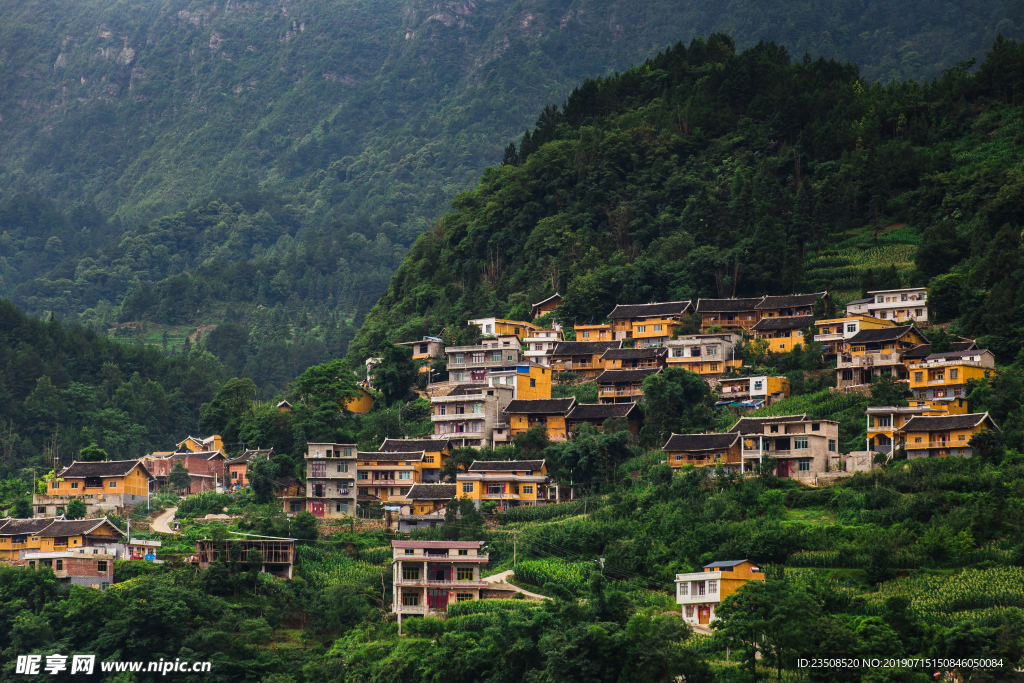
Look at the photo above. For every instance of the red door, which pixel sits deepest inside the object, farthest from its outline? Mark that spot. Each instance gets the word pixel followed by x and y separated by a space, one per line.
pixel 782 469
pixel 317 509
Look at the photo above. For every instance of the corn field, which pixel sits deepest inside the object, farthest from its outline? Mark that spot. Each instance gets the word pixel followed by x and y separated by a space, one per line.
pixel 465 608
pixel 971 589
pixel 574 576
pixel 539 513
pixel 327 568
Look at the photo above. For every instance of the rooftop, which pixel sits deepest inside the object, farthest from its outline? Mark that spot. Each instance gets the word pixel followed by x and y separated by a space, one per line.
pixel 505 465
pixel 754 425
pixel 431 492
pixel 725 563
pixel 655 310
pixel 600 411
pixel 584 348
pixel 407 445
pixel 540 406
pixel 74 527
pixel 727 305
pixel 107 468
pixel 921 423
pixel 883 334
pixel 634 354
pixel 770 302
pixel 390 456
pixel 957 354
pixel 437 544
pixel 700 442
pixel 793 322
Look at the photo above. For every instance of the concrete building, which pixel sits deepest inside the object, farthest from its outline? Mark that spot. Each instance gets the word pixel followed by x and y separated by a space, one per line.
pixel 469 414
pixel 539 344
pixel 834 333
pixel 899 305
pixel 425 351
pixel 471 364
pixel 876 352
pixel 510 483
pixel 331 479
pixel 943 377
pixel 499 327
pixel 709 355
pixel 428 576
pixel 89 568
pixel 885 422
pixel 700 593
pixel 799 448
pixel 750 393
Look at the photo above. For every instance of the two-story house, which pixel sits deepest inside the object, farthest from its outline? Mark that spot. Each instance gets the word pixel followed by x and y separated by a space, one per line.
pixel 469 364
pixel 470 414
pixel 545 306
pixel 782 334
pixel 238 468
pixel 799 448
pixel 539 344
pixel 331 479
pixel 206 469
pixel 834 333
pixel 594 332
pixel 499 327
pixel 649 324
pixel 873 353
pixel 885 422
pixel 938 437
pixel 103 486
pixel 708 355
pixel 901 305
pixel 435 454
pixel 509 483
pixel 429 499
pixel 581 357
pixel 428 576
pixel 943 377
pixel 702 450
pixel 597 414
pixel 728 314
pixel 752 392
pixel 789 305
pixel 386 476
pixel 550 413
pixel 19 537
pixel 700 593
pixel 622 386
pixel 635 359
pixel 425 351
pixel 527 380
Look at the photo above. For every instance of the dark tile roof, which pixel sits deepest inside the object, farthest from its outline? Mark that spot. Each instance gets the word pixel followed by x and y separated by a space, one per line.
pixel 727 305
pixel 792 322
pixel 619 376
pixel 724 563
pixel 406 445
pixel 600 411
pixel 968 345
pixel 882 335
pixel 919 351
pixel 584 348
pixel 635 354
pixel 540 406
pixel 541 303
pixel 286 481
pixel 390 456
pixel 108 468
pixel 467 389
pixel 19 527
pixel 868 300
pixel 755 425
pixel 431 492
pixel 790 301
pixel 505 465
pixel 666 309
pixel 700 442
pixel 939 423
pixel 75 527
pixel 956 354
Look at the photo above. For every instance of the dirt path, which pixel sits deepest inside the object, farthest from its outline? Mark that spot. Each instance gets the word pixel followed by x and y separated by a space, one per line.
pixel 160 524
pixel 500 582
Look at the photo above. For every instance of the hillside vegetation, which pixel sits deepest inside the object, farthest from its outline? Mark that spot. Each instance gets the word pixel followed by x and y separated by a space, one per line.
pixel 712 172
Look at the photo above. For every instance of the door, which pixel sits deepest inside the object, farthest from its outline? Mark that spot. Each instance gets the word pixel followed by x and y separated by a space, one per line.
pixel 782 469
pixel 317 509
pixel 703 614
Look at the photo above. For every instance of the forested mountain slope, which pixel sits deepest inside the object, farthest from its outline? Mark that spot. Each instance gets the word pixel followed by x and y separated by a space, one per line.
pixel 710 172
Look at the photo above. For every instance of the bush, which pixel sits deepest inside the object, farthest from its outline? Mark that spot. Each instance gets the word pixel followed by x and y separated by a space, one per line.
pixel 467 607
pixel 203 503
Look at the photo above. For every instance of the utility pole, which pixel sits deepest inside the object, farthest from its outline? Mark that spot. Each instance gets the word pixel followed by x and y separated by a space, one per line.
pixel 515 534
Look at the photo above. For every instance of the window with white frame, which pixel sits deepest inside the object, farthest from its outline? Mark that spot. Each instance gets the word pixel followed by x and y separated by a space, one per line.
pixel 800 443
pixel 684 588
pixel 712 586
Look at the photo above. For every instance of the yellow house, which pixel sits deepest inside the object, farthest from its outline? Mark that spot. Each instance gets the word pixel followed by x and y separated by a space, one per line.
pixel 201 445
pixel 783 334
pixel 599 332
pixel 546 306
pixel 884 341
pixel 493 327
pixel 435 454
pixel 701 450
pixel 728 314
pixel 789 305
pixel 53 535
pixel 650 324
pixel 510 483
pixel 550 413
pixel 833 333
pixel 363 403
pixel 388 475
pixel 764 389
pixel 533 381
pixel 885 422
pixel 943 377
pixel 700 593
pixel 581 357
pixel 424 499
pixel 635 359
pixel 938 437
pixel 128 479
pixel 622 386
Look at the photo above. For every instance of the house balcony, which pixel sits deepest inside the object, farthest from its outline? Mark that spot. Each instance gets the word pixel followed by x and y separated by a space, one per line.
pixel 477 365
pixel 409 583
pixel 936 444
pixel 418 559
pixel 457 416
pixel 828 337
pixel 867 360
pixel 632 391
pixel 458 435
pixel 502 477
pixel 787 454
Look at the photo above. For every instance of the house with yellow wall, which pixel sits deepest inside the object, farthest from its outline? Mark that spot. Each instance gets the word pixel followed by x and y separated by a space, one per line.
pixel 49 534
pixel 701 450
pixel 496 327
pixel 709 355
pixel 581 357
pixel 938 437
pixel 194 444
pixel 436 453
pixel 759 391
pixel 832 334
pixel 362 404
pixel 872 353
pixel 635 359
pixel 509 483
pixel 546 306
pixel 597 413
pixel 597 332
pixel 649 324
pixel 885 422
pixel 789 305
pixel 425 499
pixel 103 486
pixel 384 476
pixel 700 593
pixel 622 386
pixel 943 377
pixel 782 334
pixel 550 413
pixel 728 314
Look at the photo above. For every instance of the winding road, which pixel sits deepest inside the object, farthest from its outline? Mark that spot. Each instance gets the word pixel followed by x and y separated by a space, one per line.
pixel 499 581
pixel 160 524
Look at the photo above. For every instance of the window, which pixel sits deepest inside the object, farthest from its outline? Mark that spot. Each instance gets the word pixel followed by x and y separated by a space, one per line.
pixel 60 565
pixel 689 611
pixel 684 588
pixel 464 574
pixel 713 586
pixel 74 484
pixel 918 312
pixel 701 587
pixel 782 347
pixel 533 383
pixel 851 327
pixel 832 445
pixel 101 566
pixel 775 429
pixel 113 484
pixel 800 443
pixel 847 375
pixel 488 329
pixel 953 373
pixel 882 314
pixel 234 475
pixel 529 489
pixel 463 596
pixel 917 439
pixel 641 328
pixel 428 458
pixel 467 487
pixel 903 297
pixel 410 573
pixel 318 469
pixel 463 551
pixel 758 385
pixel 586 335
pixel 804 465
pixel 879 299
pixel 364 475
pixel 458 358
pixel 961 437
pixel 495 488
pixel 342 467
pixel 341 507
pixel 815 427
pixel 657 328
pixel 410 551
pixel 711 351
pixel 410 599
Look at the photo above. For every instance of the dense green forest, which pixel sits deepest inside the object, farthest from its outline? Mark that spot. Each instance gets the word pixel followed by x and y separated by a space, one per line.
pixel 709 172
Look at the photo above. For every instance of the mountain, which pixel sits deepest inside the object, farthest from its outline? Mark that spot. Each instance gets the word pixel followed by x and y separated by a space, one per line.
pixel 709 172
